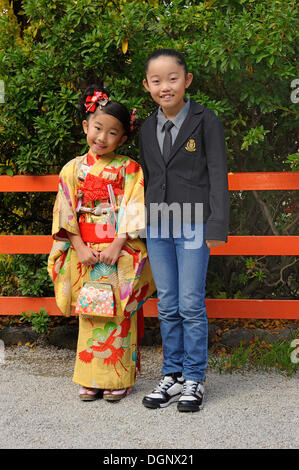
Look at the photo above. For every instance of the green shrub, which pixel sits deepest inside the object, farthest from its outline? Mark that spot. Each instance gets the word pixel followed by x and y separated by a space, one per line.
pixel 243 56
pixel 39 320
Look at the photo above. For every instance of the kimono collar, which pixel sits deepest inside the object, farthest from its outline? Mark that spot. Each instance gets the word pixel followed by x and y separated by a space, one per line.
pixel 93 157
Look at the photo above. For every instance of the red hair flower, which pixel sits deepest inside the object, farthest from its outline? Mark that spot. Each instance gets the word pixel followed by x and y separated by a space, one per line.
pixel 98 98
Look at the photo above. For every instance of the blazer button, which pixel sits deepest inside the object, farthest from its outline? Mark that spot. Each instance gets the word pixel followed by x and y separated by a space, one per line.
pixel 163 187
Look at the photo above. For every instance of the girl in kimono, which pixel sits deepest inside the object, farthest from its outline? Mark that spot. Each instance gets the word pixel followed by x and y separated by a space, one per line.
pixel 97 216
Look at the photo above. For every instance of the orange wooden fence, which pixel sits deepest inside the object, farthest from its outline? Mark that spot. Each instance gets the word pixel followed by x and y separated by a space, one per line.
pixel 237 245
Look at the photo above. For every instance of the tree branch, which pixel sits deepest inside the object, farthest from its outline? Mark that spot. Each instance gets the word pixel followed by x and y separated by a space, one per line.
pixel 281 273
pixel 266 212
pixel 294 222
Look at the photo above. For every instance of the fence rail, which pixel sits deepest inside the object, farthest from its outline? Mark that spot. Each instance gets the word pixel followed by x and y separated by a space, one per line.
pixel 237 245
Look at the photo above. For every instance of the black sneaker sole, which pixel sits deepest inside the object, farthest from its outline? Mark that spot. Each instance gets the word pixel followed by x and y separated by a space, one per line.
pixel 187 406
pixel 151 405
pixel 154 405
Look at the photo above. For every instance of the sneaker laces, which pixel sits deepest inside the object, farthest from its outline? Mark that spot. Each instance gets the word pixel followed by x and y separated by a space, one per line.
pixel 164 384
pixel 189 387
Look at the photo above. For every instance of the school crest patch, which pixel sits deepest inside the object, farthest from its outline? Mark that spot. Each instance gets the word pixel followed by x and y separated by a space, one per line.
pixel 191 147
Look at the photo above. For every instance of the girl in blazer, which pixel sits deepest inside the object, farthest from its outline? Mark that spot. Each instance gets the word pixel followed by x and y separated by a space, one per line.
pixel 182 153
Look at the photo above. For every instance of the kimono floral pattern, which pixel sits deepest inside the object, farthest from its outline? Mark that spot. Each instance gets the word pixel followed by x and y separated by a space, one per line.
pixel 95 301
pixel 108 344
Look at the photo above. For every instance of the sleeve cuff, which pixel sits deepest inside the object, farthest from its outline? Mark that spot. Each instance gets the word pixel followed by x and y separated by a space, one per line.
pixel 216 231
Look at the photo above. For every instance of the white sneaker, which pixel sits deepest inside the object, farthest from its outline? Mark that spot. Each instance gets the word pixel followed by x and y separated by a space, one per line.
pixel 168 391
pixel 193 396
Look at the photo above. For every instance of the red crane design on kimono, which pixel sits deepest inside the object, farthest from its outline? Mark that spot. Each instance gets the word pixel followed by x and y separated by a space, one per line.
pixel 109 343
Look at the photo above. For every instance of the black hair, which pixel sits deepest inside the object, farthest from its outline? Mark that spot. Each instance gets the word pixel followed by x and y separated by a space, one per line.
pixel 114 108
pixel 167 53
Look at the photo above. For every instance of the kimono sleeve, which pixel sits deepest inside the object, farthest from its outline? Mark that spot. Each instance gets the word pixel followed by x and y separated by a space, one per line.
pixel 131 216
pixel 64 212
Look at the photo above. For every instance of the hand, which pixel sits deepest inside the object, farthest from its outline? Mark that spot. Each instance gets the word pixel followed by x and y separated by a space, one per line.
pixel 87 256
pixel 214 243
pixel 110 254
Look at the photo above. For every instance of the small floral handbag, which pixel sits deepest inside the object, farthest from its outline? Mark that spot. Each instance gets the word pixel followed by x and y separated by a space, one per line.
pixel 96 299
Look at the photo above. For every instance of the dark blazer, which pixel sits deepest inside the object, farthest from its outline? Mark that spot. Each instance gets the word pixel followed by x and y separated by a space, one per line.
pixel 196 170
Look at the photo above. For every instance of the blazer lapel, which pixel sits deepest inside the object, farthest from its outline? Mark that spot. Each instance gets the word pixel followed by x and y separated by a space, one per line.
pixel 151 135
pixel 191 122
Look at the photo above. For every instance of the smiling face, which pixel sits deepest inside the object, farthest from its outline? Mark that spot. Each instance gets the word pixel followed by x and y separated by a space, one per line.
pixel 104 133
pixel 166 81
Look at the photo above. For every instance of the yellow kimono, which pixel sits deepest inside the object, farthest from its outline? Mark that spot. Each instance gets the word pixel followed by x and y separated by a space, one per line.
pixel 107 349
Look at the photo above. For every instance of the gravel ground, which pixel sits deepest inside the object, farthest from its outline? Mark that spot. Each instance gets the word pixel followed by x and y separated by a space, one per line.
pixel 40 409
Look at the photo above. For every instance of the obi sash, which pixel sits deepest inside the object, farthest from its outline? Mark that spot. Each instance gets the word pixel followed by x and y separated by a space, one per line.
pixel 97 233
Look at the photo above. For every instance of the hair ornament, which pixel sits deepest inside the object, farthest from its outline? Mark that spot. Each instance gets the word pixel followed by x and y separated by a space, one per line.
pixel 98 98
pixel 133 120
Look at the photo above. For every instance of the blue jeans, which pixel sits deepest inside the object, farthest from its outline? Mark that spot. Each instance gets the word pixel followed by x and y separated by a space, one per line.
pixel 180 277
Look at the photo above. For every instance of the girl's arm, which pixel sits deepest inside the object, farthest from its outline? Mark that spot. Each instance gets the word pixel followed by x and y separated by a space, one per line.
pixel 90 257
pixel 86 255
pixel 142 161
pixel 214 142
